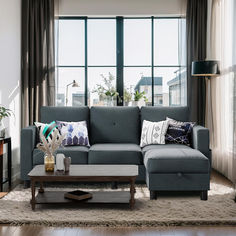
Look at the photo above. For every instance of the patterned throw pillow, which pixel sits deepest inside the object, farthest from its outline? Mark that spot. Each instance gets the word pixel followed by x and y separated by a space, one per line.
pixel 179 132
pixel 76 133
pixel 46 129
pixel 153 132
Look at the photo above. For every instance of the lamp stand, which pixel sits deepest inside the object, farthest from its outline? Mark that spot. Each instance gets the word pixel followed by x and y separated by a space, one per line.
pixel 210 121
pixel 67 86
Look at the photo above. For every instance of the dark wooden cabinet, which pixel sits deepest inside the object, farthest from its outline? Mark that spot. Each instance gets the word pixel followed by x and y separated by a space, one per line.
pixel 6 141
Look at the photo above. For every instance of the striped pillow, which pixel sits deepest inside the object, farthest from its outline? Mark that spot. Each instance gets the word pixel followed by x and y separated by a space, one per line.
pixel 153 132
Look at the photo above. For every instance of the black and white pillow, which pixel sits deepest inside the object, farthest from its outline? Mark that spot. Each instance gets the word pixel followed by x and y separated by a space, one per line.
pixel 179 132
pixel 153 132
pixel 46 130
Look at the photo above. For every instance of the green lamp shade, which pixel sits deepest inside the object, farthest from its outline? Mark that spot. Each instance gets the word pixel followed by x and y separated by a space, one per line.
pixel 205 68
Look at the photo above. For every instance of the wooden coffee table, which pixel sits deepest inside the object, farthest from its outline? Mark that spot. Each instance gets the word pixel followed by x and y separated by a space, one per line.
pixel 85 173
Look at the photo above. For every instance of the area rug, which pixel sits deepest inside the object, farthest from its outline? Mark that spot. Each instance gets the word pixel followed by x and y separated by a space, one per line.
pixel 168 210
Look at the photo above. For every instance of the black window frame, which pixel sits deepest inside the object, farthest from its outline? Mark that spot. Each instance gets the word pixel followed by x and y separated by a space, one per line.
pixel 119 53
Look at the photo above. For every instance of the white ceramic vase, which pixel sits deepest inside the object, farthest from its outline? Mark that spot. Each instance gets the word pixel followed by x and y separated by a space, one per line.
pixel 139 103
pixel 60 161
pixel 2 129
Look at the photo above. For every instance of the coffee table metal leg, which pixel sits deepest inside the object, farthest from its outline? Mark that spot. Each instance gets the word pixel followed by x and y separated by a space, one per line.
pixel 132 191
pixel 33 201
pixel 41 190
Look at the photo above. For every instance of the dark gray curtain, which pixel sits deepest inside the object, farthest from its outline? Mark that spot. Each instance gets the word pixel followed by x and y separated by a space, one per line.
pixel 38 58
pixel 196 20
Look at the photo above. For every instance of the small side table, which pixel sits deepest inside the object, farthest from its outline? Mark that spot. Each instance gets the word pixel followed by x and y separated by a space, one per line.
pixel 7 141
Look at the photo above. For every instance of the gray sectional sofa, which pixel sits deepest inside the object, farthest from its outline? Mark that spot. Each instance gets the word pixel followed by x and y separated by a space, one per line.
pixel 114 135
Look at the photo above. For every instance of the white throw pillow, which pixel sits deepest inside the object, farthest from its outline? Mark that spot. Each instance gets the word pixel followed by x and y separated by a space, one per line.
pixel 153 132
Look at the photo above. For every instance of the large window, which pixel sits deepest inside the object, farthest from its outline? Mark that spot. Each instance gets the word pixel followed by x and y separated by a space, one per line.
pixel 124 61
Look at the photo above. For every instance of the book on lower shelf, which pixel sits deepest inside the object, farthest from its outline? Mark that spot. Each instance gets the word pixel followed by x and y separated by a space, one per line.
pixel 78 195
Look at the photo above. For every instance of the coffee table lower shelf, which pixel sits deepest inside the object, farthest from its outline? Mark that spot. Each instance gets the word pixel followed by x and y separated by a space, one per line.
pixel 56 197
pixel 85 173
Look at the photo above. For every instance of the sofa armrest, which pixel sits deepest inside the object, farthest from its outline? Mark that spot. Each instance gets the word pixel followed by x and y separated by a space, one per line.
pixel 27 145
pixel 201 140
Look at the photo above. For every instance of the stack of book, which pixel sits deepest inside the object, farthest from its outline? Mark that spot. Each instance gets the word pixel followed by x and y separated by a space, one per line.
pixel 78 195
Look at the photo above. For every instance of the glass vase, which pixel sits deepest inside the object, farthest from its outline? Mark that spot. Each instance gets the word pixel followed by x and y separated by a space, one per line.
pixel 109 101
pixel 49 163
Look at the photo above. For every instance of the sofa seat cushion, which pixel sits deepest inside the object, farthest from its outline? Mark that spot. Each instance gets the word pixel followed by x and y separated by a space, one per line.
pixel 164 146
pixel 78 154
pixel 114 153
pixel 175 160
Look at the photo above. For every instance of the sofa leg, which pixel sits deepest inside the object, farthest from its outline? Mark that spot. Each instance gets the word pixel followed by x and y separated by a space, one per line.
pixel 114 185
pixel 26 183
pixel 153 195
pixel 204 195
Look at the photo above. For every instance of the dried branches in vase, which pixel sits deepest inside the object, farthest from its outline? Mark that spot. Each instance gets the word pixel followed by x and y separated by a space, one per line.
pixel 49 148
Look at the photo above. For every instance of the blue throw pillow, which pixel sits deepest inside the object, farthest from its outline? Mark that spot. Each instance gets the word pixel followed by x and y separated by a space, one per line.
pixel 76 133
pixel 179 132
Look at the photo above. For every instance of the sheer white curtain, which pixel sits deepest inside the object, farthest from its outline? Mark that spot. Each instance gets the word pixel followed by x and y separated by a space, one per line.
pixel 222 46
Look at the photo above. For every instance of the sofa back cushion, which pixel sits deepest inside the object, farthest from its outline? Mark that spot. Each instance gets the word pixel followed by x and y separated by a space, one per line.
pixel 114 125
pixel 156 114
pixel 49 114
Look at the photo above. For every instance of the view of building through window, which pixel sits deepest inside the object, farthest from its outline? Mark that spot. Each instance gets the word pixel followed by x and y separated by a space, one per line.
pixel 153 69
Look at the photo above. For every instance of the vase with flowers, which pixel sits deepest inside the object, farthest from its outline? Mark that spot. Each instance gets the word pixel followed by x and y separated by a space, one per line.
pixel 107 91
pixel 49 148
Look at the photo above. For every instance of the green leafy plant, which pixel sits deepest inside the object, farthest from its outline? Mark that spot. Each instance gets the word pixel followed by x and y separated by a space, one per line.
pixel 139 95
pixel 127 95
pixel 107 89
pixel 4 112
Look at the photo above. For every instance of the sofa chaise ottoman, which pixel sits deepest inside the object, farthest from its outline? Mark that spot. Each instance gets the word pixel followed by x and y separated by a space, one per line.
pixel 114 136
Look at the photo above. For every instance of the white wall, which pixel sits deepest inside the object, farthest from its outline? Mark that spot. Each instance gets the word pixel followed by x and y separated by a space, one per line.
pixel 122 7
pixel 10 44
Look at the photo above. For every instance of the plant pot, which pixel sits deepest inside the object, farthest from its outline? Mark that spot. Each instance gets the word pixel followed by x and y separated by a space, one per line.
pixel 109 101
pixel 49 163
pixel 2 129
pixel 127 104
pixel 139 103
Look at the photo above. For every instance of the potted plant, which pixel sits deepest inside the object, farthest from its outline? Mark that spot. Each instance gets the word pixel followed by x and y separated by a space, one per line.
pixel 4 113
pixel 107 92
pixel 127 97
pixel 138 96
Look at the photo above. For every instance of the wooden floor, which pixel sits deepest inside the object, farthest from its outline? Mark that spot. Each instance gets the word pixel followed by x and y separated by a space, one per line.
pixel 7 230
pixel 161 231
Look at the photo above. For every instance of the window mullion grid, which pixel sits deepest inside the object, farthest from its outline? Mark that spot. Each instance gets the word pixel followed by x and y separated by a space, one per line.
pixel 120 59
pixel 86 61
pixel 152 54
pixel 119 55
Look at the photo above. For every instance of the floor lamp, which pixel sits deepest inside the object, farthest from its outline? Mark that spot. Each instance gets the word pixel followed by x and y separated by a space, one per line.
pixel 74 84
pixel 207 69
